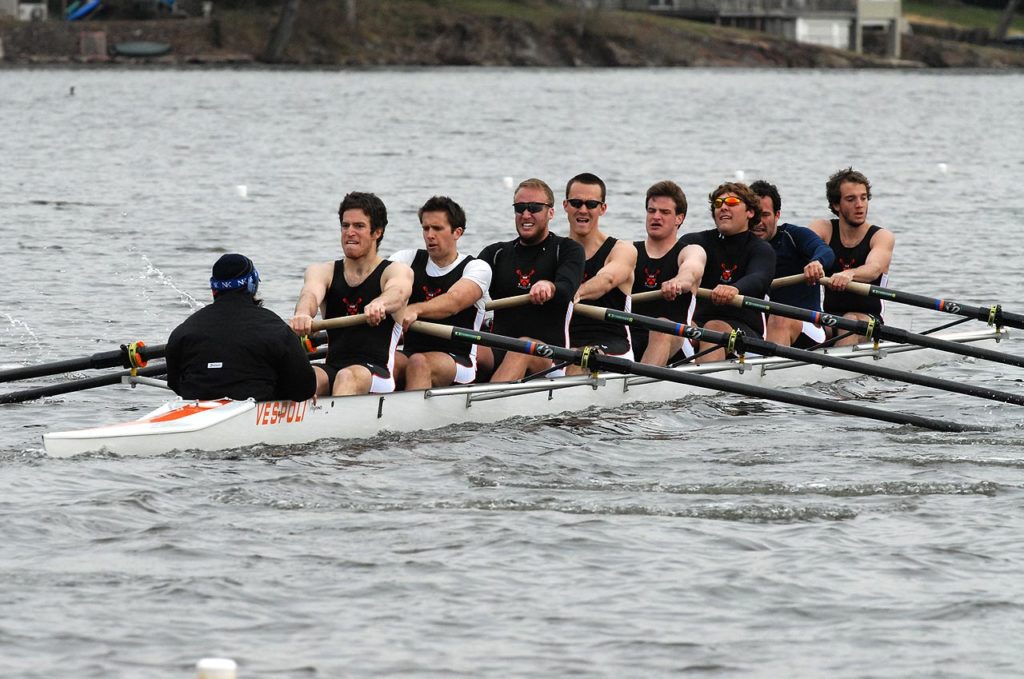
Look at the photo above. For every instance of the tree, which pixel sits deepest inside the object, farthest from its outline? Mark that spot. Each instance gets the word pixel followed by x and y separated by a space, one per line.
pixel 1006 19
pixel 282 32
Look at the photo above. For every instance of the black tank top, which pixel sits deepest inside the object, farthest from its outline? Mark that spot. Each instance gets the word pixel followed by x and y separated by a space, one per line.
pixel 650 274
pixel 839 303
pixel 585 331
pixel 362 343
pixel 425 288
pixel 729 259
pixel 516 267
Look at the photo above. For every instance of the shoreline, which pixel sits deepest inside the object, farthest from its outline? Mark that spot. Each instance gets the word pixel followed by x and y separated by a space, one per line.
pixel 416 34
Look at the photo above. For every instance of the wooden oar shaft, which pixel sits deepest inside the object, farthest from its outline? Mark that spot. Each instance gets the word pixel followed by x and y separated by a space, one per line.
pixel 597 361
pixel 765 348
pixel 508 302
pixel 339 322
pixel 104 359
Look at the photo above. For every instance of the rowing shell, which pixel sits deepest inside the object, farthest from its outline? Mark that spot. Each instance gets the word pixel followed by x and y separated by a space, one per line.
pixel 226 424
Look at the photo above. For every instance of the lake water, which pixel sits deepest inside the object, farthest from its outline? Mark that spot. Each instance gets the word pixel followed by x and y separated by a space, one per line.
pixel 711 537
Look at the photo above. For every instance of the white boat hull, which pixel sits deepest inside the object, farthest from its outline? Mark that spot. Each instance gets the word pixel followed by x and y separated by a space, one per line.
pixel 221 425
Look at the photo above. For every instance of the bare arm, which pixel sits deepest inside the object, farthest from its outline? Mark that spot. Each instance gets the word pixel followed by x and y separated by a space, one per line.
pixel 877 262
pixel 315 283
pixel 823 228
pixel 461 295
pixel 396 286
pixel 692 259
pixel 617 271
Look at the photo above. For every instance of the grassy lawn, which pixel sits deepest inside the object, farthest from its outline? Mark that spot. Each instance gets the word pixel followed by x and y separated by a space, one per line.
pixel 968 16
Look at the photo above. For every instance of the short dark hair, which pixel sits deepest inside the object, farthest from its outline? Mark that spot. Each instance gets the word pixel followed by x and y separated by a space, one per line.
pixel 370 204
pixel 845 175
pixel 668 189
pixel 456 215
pixel 761 188
pixel 742 192
pixel 586 178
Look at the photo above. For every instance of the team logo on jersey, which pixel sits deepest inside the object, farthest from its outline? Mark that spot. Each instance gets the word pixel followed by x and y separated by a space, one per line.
pixel 727 272
pixel 430 293
pixel 651 277
pixel 524 279
pixel 847 265
pixel 352 308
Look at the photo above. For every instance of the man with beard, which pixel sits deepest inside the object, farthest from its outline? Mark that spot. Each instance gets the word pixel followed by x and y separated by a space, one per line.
pixel 863 251
pixel 798 250
pixel 608 272
pixel 360 359
pixel 547 267
pixel 738 263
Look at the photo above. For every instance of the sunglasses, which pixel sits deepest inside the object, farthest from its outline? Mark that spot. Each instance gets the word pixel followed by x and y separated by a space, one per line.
pixel 520 208
pixel 731 201
pixel 579 202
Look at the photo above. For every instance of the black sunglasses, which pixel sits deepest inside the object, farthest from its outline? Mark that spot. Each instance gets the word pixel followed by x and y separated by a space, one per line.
pixel 520 208
pixel 579 202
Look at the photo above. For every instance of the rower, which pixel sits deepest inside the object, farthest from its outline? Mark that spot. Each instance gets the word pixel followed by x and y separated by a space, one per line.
pixel 360 359
pixel 738 263
pixel 547 267
pixel 798 250
pixel 235 348
pixel 608 271
pixel 863 251
pixel 448 287
pixel 666 263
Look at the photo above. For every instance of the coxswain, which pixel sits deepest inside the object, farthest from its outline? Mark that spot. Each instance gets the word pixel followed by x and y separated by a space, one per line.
pixel 234 347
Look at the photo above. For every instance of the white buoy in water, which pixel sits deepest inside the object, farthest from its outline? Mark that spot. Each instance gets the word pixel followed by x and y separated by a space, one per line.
pixel 243 191
pixel 216 668
pixel 943 168
pixel 507 181
pixel 740 174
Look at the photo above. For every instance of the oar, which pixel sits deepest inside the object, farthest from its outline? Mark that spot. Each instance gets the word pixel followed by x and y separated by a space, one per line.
pixel 360 319
pixel 104 359
pixel 592 360
pixel 79 385
pixel 108 379
pixel 757 345
pixel 870 329
pixel 993 315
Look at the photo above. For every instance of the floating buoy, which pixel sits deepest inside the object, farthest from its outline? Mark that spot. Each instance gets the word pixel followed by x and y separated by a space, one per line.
pixel 216 668
pixel 507 181
pixel 740 174
pixel 943 168
pixel 243 191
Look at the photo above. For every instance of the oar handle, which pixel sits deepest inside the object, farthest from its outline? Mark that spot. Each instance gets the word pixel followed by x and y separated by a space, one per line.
pixel 339 322
pixel 736 301
pixel 856 287
pixel 508 302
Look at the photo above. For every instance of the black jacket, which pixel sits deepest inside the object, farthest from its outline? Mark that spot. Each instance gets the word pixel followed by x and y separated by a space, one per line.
pixel 236 349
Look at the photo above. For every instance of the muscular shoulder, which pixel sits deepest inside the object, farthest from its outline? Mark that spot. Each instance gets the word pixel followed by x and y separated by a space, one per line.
pixel 624 251
pixel 404 256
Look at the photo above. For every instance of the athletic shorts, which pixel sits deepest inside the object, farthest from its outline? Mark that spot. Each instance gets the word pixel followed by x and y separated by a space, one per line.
pixel 465 367
pixel 382 381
